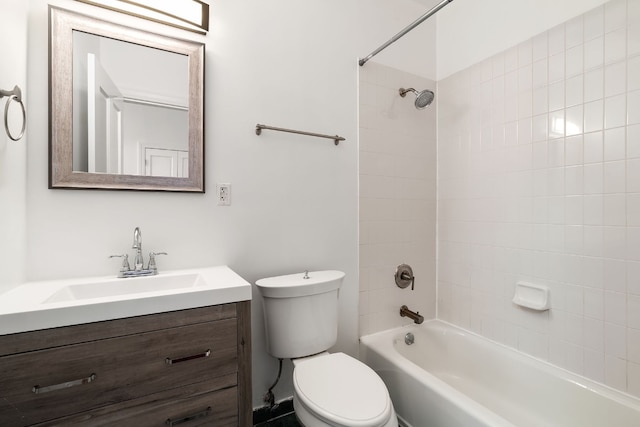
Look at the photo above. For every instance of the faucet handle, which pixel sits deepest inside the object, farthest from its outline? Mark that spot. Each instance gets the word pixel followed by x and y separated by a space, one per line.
pixel 152 261
pixel 125 263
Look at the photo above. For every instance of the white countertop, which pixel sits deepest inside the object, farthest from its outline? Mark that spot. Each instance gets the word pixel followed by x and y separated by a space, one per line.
pixel 30 306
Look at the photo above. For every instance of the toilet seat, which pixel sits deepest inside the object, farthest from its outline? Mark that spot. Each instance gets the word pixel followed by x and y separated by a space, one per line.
pixel 342 391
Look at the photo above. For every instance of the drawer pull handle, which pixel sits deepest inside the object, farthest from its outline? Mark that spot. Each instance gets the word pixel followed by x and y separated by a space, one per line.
pixel 195 416
pixel 170 361
pixel 38 390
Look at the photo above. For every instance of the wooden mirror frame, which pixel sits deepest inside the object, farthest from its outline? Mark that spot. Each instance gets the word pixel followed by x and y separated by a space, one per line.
pixel 62 23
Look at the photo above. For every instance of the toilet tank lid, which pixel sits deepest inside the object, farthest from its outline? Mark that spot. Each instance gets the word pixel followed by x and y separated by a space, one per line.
pixel 295 285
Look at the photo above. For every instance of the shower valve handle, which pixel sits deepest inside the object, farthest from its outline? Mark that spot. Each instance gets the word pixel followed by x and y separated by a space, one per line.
pixel 406 276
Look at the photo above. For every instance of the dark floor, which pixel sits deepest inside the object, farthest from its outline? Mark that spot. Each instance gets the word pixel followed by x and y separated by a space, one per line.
pixel 283 421
pixel 280 415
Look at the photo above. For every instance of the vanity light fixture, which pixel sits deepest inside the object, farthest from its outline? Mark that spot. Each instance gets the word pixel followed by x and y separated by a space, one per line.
pixel 192 15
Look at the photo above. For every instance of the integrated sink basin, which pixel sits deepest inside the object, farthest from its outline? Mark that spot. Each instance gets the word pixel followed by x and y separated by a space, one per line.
pixel 55 303
pixel 120 287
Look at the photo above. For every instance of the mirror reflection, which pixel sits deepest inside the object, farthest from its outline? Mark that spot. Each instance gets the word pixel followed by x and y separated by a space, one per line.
pixel 130 108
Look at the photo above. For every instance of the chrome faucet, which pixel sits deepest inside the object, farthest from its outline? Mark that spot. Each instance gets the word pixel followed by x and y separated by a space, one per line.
pixel 415 316
pixel 138 264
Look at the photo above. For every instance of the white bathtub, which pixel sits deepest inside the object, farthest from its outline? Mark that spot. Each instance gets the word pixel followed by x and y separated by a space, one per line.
pixel 450 377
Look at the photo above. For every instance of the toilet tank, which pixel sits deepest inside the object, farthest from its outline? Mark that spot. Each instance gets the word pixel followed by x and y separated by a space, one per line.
pixel 301 312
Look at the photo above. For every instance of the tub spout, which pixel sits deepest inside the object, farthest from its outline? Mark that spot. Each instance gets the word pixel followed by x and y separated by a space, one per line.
pixel 415 316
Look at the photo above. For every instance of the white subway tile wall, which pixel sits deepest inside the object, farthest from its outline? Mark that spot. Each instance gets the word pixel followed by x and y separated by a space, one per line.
pixel 397 167
pixel 539 180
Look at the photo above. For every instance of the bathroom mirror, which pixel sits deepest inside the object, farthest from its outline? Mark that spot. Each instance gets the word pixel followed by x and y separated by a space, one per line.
pixel 126 107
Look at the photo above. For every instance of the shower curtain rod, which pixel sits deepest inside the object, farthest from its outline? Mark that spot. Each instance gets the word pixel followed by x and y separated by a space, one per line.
pixel 406 30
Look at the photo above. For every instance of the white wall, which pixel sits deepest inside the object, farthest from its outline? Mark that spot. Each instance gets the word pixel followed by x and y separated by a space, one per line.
pixel 294 198
pixel 522 199
pixel 471 30
pixel 13 159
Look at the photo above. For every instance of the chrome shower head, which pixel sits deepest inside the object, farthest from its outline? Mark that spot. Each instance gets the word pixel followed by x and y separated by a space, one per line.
pixel 423 98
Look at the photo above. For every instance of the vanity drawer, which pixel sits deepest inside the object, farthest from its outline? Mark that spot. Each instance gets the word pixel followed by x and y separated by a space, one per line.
pixel 47 384
pixel 76 334
pixel 202 404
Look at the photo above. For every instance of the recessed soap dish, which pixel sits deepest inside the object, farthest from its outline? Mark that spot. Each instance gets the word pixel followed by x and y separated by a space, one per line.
pixel 533 296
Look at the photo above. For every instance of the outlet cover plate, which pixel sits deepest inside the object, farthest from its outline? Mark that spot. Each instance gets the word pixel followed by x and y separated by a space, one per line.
pixel 223 191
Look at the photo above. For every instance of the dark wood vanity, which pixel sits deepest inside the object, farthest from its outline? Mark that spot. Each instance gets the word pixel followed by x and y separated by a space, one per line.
pixel 181 368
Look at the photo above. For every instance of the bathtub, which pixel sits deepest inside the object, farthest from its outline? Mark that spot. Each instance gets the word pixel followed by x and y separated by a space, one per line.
pixel 451 377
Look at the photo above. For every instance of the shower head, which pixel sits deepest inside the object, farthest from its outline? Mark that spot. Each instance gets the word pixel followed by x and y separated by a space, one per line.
pixel 423 98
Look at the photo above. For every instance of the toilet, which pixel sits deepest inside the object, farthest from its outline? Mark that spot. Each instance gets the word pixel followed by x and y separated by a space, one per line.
pixel 330 389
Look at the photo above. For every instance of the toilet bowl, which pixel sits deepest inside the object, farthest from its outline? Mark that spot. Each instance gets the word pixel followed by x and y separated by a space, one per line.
pixel 301 323
pixel 339 391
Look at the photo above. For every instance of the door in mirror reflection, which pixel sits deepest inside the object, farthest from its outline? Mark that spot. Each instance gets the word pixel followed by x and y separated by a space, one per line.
pixel 163 162
pixel 130 109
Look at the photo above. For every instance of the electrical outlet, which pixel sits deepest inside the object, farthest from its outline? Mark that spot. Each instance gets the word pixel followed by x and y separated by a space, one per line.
pixel 224 194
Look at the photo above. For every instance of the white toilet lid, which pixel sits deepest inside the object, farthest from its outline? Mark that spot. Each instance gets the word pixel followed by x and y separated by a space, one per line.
pixel 342 390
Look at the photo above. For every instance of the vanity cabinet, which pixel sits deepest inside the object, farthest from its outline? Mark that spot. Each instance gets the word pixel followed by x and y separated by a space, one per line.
pixel 182 368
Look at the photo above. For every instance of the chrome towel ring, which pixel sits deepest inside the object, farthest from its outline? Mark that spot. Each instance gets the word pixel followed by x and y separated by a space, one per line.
pixel 15 94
